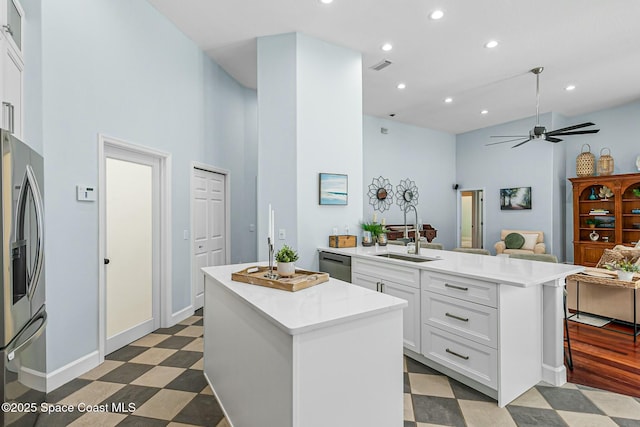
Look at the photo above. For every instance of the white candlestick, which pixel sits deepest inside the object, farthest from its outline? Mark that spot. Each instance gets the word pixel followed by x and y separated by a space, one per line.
pixel 375 217
pixel 273 225
pixel 269 224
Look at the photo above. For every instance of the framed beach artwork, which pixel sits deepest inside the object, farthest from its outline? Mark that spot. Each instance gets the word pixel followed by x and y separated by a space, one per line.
pixel 515 198
pixel 333 189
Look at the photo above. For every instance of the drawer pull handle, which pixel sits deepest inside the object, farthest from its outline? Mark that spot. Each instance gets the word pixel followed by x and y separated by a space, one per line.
pixel 456 287
pixel 457 354
pixel 453 316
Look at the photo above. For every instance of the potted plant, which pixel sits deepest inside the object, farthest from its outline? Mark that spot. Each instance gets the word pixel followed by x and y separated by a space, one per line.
pixel 371 231
pixel 592 222
pixel 625 269
pixel 286 258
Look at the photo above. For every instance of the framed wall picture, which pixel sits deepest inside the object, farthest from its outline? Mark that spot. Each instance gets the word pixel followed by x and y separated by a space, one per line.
pixel 515 198
pixel 333 189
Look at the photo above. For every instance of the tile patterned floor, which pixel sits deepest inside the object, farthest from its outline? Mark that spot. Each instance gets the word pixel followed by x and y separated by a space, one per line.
pixel 161 374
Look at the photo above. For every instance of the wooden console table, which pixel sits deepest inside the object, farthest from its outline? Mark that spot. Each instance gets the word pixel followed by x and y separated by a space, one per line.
pixel 584 278
pixel 396 232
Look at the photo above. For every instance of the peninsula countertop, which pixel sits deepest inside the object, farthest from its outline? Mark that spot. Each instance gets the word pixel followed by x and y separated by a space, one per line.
pixel 499 269
pixel 319 306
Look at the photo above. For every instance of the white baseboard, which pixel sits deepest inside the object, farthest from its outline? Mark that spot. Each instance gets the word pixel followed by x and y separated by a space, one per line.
pixel 72 370
pixel 179 316
pixel 33 379
pixel 554 376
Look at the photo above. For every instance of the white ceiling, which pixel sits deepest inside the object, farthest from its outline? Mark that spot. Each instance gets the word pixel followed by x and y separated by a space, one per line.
pixel 593 44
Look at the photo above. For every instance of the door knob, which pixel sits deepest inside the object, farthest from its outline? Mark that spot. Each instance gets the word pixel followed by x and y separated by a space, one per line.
pixel 106 261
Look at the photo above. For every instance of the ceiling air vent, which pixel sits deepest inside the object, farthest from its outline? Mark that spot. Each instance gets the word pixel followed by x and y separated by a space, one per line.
pixel 381 65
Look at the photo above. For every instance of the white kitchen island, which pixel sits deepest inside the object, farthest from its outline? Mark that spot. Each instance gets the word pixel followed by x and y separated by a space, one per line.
pixel 328 355
pixel 493 323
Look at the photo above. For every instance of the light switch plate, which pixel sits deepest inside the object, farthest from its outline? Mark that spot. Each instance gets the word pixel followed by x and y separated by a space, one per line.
pixel 282 234
pixel 85 194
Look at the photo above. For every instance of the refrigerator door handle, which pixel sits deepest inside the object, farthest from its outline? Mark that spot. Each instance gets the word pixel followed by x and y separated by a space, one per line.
pixel 12 348
pixel 31 182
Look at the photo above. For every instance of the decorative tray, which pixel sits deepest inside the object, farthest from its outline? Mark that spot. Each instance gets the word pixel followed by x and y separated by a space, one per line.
pixel 302 279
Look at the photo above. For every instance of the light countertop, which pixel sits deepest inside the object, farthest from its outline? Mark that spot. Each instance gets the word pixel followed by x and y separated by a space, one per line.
pixel 319 306
pixel 498 269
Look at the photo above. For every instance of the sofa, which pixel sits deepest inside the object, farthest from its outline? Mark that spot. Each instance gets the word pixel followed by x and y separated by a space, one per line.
pixel 533 244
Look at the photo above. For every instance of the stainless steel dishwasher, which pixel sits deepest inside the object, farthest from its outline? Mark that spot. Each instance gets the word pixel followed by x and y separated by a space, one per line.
pixel 338 266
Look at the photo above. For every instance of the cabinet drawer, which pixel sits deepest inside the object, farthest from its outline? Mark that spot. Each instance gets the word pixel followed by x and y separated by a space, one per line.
pixel 464 288
pixel 469 320
pixel 471 359
pixel 383 270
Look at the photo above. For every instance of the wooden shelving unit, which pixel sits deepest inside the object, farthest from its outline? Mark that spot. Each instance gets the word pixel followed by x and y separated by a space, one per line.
pixel 617 226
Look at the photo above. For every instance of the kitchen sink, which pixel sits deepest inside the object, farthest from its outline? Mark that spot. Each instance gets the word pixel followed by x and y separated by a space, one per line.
pixel 412 258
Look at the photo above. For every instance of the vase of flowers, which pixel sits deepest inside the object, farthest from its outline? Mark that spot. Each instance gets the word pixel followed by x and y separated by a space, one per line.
pixel 624 268
pixel 286 258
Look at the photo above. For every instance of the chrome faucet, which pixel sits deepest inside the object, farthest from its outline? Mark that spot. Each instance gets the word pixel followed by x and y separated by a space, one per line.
pixel 417 230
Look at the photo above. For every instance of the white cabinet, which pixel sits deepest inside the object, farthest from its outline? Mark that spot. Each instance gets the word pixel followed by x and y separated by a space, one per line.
pixel 397 281
pixel 482 331
pixel 11 67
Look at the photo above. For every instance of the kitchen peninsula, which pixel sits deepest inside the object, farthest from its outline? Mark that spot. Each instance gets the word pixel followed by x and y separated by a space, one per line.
pixel 493 323
pixel 327 355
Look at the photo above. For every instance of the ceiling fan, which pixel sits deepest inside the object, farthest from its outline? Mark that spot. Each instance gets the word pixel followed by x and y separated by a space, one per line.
pixel 540 132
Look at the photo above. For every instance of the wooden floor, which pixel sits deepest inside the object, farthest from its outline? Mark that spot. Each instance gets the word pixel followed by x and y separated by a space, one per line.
pixel 605 359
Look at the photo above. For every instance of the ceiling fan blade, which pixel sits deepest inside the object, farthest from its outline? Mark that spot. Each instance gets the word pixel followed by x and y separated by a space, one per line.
pixel 581 125
pixel 509 136
pixel 518 145
pixel 575 132
pixel 552 139
pixel 508 140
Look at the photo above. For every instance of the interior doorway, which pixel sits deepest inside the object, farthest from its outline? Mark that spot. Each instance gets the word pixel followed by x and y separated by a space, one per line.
pixel 471 222
pixel 134 242
pixel 210 224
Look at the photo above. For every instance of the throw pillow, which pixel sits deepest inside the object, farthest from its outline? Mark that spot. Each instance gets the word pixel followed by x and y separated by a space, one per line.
pixel 530 241
pixel 609 256
pixel 514 240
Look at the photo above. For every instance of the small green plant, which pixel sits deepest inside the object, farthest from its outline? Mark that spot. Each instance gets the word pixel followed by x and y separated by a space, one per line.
pixel 592 221
pixel 636 192
pixel 624 265
pixel 375 228
pixel 286 254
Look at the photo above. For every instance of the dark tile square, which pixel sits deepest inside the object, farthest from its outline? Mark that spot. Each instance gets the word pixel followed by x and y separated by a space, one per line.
pixel 625 422
pixel 57 419
pixel 182 359
pixel 199 323
pixel 175 342
pixel 190 380
pixel 563 399
pixel 409 424
pixel 126 353
pixel 534 417
pixel 437 410
pixel 65 390
pixel 407 383
pixel 419 368
pixel 203 410
pixel 134 394
pixel 170 331
pixel 134 421
pixel 126 373
pixel 464 392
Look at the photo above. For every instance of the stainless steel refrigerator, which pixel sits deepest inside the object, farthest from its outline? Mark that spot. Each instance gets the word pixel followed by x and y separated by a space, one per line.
pixel 22 296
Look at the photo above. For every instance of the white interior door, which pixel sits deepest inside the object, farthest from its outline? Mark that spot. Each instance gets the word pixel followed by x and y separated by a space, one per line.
pixel 209 226
pixel 132 291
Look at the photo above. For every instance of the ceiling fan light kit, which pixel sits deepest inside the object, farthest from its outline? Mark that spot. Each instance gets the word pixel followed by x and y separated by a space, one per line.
pixel 540 132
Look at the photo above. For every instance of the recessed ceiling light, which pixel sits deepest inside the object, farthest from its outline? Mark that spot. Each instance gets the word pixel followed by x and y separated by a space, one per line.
pixel 387 47
pixel 448 100
pixel 484 112
pixel 401 86
pixel 570 87
pixel 491 44
pixel 436 14
pixel 326 1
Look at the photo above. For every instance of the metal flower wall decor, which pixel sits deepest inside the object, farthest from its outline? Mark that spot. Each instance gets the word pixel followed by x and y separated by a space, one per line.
pixel 380 194
pixel 406 194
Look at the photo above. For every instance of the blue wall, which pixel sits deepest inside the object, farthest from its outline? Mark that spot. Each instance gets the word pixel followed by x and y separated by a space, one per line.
pixel 120 68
